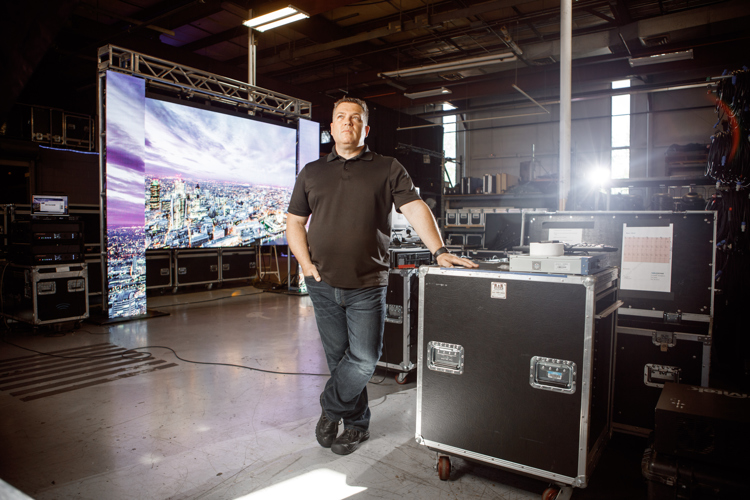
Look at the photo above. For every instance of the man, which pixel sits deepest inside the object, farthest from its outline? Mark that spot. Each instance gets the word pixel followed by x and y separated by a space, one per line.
pixel 344 258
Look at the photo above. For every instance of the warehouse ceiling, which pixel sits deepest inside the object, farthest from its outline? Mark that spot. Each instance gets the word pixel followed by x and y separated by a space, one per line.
pixel 345 47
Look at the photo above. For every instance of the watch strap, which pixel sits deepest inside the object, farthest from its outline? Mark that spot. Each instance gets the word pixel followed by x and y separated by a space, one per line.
pixel 440 251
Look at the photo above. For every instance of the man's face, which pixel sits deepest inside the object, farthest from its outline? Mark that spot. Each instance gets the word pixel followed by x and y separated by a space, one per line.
pixel 348 127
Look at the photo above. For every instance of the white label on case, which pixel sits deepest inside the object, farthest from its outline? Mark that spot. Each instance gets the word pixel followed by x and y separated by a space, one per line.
pixel 562 266
pixel 499 290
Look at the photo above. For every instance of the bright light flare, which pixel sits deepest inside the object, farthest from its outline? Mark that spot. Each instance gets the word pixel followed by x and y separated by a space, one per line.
pixel 321 484
pixel 599 176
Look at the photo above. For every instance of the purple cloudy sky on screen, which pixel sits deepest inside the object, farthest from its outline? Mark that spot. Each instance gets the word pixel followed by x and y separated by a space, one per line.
pixel 126 103
pixel 204 145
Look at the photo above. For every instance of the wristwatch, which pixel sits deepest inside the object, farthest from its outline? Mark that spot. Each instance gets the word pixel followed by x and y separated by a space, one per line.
pixel 440 251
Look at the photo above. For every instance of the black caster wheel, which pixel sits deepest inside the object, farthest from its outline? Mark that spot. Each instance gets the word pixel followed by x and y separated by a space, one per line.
pixel 444 468
pixel 550 493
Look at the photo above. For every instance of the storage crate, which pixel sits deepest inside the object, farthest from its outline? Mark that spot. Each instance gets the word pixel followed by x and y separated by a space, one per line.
pixel 159 269
pixel 239 264
pixel 42 295
pixel 400 331
pixel 196 267
pixel 514 369
pixel 646 359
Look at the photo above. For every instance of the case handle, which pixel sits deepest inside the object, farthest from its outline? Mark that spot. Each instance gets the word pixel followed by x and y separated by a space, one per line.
pixel 610 310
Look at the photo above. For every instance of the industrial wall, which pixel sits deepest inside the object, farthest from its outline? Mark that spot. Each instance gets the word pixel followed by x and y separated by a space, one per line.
pixel 658 120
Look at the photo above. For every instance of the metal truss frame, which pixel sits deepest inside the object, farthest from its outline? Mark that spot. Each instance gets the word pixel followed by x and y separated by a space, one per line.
pixel 181 80
pixel 191 80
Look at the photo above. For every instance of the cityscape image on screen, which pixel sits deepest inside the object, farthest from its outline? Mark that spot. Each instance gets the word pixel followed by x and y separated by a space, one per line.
pixel 126 250
pixel 215 180
pixel 179 176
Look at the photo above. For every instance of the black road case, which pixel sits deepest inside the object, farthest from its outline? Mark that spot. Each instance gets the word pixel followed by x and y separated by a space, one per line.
pixel 196 267
pixel 514 369
pixel 42 295
pixel 661 334
pixel 238 264
pixel 158 269
pixel 670 477
pixel 703 423
pixel 646 360
pixel 400 332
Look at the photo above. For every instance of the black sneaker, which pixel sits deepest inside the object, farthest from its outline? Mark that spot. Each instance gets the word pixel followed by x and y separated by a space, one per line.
pixel 326 431
pixel 349 441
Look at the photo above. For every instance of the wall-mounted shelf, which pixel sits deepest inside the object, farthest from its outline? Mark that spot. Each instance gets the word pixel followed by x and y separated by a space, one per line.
pixel 655 182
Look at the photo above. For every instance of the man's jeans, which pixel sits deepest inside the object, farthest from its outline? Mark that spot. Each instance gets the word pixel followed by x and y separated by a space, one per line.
pixel 350 322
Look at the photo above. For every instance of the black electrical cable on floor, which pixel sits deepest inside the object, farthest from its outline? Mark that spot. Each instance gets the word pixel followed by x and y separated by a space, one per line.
pixel 209 300
pixel 226 364
pixel 128 354
pixel 132 353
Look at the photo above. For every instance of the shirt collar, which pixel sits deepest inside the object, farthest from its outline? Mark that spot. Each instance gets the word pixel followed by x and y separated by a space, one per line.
pixel 365 154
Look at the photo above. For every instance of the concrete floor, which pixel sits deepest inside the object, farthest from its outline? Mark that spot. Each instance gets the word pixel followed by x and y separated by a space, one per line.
pixel 163 428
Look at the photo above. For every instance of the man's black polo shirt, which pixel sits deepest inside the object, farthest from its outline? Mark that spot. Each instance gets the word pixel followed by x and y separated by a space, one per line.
pixel 350 206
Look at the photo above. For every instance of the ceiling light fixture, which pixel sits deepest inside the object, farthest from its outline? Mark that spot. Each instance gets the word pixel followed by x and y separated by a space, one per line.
pixel 450 66
pixel 427 93
pixel 275 19
pixel 661 58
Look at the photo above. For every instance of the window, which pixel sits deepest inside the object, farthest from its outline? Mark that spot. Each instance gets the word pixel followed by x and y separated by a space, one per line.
pixel 620 156
pixel 449 145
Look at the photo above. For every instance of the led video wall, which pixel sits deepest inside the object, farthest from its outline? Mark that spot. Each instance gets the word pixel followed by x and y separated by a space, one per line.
pixel 180 176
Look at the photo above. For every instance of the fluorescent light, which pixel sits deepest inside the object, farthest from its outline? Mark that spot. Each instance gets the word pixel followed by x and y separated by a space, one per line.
pixel 267 18
pixel 451 66
pixel 282 22
pixel 427 93
pixel 661 58
pixel 275 19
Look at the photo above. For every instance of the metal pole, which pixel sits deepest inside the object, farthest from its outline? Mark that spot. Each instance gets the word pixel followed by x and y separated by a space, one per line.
pixel 251 53
pixel 649 144
pixel 566 59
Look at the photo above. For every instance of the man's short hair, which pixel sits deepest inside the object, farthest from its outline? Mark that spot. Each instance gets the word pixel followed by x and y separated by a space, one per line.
pixel 362 104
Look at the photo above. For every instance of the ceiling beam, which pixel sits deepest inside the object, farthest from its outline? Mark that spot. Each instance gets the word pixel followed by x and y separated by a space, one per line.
pixel 211 40
pixel 598 14
pixel 530 25
pixel 389 29
pixel 121 29
pixel 620 11
pixel 201 10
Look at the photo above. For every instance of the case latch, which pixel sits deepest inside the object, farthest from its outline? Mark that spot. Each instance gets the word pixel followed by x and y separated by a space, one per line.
pixel 673 318
pixel 664 340
pixel 394 314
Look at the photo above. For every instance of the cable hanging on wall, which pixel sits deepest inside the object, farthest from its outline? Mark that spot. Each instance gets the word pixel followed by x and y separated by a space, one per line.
pixel 729 151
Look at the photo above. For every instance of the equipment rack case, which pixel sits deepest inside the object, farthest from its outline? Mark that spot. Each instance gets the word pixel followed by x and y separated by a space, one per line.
pixel 661 336
pixel 43 295
pixel 400 331
pixel 514 369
